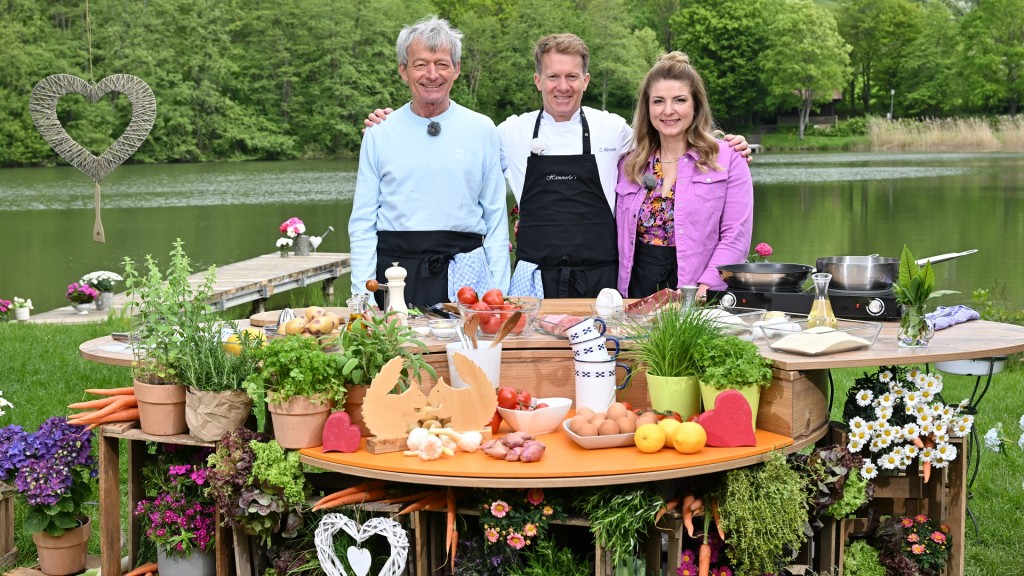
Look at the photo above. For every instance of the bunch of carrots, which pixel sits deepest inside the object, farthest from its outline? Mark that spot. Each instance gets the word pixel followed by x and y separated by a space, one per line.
pixel 375 491
pixel 144 570
pixel 690 508
pixel 116 405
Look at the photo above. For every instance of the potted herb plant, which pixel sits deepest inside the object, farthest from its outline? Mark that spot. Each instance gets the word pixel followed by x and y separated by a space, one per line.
pixel 667 349
pixel 257 486
pixel 298 383
pixel 729 362
pixel 916 286
pixel 213 370
pixel 367 346
pixel 165 309
pixel 51 471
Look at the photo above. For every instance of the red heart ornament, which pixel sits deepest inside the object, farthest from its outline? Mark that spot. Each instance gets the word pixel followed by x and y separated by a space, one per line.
pixel 728 423
pixel 340 434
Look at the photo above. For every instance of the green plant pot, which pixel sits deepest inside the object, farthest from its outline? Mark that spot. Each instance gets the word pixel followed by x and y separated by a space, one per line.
pixel 675 393
pixel 751 393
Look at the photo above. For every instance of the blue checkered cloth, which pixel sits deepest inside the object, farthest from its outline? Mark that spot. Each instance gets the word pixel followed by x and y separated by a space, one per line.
pixel 468 269
pixel 946 316
pixel 526 281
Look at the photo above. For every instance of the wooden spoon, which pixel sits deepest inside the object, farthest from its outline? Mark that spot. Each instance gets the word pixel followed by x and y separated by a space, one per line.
pixel 472 324
pixel 507 327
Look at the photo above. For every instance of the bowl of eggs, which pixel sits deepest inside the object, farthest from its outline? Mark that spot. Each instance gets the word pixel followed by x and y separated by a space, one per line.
pixel 610 429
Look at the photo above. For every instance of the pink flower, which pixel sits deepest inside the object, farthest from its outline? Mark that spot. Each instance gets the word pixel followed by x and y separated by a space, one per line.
pixel 499 508
pixel 938 537
pixel 548 511
pixel 687 569
pixel 721 571
pixel 530 529
pixel 763 250
pixel 906 522
pixel 535 496
pixel 917 548
pixel 491 534
pixel 516 541
pixel 913 538
pixel 920 518
pixel 688 557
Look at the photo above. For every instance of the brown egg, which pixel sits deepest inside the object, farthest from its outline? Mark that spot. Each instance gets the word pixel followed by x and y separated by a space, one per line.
pixel 596 419
pixel 587 429
pixel 626 425
pixel 631 415
pixel 616 410
pixel 575 422
pixel 607 428
pixel 586 412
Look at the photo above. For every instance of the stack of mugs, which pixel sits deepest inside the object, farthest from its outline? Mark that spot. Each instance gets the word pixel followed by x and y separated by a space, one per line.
pixel 596 380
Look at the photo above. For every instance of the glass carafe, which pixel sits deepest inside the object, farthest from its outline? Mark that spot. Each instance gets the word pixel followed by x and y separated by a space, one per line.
pixel 821 309
pixel 357 305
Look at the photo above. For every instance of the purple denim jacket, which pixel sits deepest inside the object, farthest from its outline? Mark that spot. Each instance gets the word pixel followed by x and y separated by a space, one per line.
pixel 714 218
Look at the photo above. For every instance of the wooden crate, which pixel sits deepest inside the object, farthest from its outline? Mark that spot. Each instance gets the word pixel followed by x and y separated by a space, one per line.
pixel 7 549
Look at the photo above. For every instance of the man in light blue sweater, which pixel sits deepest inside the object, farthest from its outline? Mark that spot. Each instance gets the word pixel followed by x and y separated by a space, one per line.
pixel 430 193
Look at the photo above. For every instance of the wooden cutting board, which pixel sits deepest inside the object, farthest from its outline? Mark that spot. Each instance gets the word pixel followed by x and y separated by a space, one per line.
pixel 270 317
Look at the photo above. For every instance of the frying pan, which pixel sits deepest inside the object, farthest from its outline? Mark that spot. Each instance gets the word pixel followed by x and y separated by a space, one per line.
pixel 764 276
pixel 871 272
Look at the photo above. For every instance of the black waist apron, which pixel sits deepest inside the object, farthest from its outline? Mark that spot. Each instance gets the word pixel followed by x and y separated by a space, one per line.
pixel 566 226
pixel 654 268
pixel 425 257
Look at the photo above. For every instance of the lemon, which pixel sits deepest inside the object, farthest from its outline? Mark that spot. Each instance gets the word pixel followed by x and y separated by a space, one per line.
pixel 649 438
pixel 689 437
pixel 232 344
pixel 668 426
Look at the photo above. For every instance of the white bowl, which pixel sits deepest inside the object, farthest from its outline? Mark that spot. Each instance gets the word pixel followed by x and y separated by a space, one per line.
pixel 538 421
pixel 596 442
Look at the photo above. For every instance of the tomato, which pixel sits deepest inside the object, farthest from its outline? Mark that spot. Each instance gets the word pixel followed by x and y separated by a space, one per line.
pixel 495 422
pixel 480 306
pixel 493 297
pixel 524 397
pixel 507 397
pixel 467 295
pixel 490 323
pixel 540 405
pixel 628 406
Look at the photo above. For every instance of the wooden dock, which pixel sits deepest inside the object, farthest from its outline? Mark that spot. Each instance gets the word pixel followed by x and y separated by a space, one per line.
pixel 254 280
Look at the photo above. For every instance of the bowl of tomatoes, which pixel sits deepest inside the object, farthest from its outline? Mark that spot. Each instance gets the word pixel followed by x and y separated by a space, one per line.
pixel 494 308
pixel 539 416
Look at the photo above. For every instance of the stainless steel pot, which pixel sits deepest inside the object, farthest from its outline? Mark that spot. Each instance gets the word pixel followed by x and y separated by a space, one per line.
pixel 871 272
pixel 764 276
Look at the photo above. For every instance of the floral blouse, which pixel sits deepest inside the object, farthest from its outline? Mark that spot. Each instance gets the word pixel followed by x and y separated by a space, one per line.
pixel 655 223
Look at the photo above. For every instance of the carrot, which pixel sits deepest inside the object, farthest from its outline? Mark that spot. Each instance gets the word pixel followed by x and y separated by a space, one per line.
pixel 718 519
pixel 409 497
pixel 326 501
pixel 455 543
pixel 113 392
pixel 688 514
pixel 358 498
pixel 126 415
pixel 926 467
pixel 669 506
pixel 150 567
pixel 704 553
pixel 437 504
pixel 91 404
pixel 422 503
pixel 115 406
pixel 450 527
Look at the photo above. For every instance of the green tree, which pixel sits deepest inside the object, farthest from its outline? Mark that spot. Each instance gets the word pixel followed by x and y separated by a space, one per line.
pixel 619 55
pixel 993 54
pixel 806 59
pixel 931 65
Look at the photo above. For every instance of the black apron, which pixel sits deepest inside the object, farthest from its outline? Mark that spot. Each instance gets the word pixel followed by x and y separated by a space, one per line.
pixel 425 257
pixel 654 268
pixel 566 226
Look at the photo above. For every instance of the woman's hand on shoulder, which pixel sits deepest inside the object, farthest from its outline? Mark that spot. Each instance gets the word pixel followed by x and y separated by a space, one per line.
pixel 738 143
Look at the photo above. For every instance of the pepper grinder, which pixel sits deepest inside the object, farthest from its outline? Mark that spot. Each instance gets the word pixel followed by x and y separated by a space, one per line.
pixel 396 289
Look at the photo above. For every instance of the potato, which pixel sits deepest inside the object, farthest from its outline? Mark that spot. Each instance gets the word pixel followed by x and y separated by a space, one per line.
pixel 319 326
pixel 295 326
pixel 314 312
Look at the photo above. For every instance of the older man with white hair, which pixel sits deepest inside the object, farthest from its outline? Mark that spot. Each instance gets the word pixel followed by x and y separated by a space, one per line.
pixel 430 193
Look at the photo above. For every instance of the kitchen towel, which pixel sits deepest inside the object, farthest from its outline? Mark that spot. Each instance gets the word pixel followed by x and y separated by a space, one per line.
pixel 946 316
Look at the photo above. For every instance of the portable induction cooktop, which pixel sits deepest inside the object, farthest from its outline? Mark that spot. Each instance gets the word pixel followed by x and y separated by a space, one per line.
pixel 853 305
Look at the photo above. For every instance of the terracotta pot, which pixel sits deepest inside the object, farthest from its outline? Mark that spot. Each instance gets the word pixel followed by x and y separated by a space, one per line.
pixel 676 393
pixel 211 415
pixel 161 408
pixel 196 564
pixel 64 554
pixel 354 406
pixel 708 395
pixel 299 422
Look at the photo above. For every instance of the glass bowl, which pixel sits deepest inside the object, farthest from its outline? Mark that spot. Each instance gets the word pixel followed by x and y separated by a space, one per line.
pixel 735 320
pixel 492 317
pixel 794 337
pixel 443 328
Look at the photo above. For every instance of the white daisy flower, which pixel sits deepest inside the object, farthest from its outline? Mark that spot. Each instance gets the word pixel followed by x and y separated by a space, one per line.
pixel 960 429
pixel 864 398
pixel 911 451
pixel 943 437
pixel 991 439
pixel 926 395
pixel 890 461
pixel 911 431
pixel 887 399
pixel 1020 423
pixel 884 441
pixel 855 445
pixel 1020 441
pixel 857 423
pixel 912 374
pixel 911 398
pixel 883 412
pixel 884 376
pixel 927 428
pixel 927 454
pixel 868 470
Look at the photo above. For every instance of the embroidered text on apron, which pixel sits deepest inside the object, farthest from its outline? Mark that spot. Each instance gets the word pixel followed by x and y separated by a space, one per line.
pixel 425 257
pixel 566 226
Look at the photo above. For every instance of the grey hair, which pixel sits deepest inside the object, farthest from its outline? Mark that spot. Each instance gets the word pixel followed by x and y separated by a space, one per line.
pixel 435 33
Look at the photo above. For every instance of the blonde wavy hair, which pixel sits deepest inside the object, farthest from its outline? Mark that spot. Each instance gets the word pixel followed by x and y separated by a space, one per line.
pixel 672 66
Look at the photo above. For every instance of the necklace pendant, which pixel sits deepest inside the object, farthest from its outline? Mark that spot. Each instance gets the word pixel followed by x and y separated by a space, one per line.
pixel 434 128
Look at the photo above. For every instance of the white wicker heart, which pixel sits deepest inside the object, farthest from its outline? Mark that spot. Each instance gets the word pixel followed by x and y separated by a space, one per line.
pixel 359 558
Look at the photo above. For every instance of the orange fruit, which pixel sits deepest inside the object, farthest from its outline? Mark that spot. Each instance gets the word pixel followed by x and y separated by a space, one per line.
pixel 689 437
pixel 649 438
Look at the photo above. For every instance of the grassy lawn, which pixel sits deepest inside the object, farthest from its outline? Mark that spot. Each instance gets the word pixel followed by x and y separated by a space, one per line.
pixel 781 142
pixel 41 372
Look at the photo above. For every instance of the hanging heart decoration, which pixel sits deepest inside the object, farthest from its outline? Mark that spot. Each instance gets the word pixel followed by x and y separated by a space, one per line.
pixel 43 107
pixel 359 558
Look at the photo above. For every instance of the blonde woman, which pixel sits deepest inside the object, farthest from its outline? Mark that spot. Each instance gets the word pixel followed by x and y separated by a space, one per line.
pixel 685 201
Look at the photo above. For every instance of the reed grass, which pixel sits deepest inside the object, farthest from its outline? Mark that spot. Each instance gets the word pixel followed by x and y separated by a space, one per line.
pixel 1005 133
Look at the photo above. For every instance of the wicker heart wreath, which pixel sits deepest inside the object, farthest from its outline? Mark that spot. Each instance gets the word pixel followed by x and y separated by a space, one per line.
pixel 43 107
pixel 359 558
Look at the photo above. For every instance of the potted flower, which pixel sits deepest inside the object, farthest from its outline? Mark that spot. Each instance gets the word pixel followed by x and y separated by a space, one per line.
pixel 729 362
pixel 294 229
pixel 761 253
pixel 298 383
pixel 165 309
pixel 177 516
pixel 80 296
pixel 22 308
pixel 213 369
pixel 916 286
pixel 103 281
pixel 284 246
pixel 257 485
pixel 52 473
pixel 367 345
pixel 5 310
pixel 667 349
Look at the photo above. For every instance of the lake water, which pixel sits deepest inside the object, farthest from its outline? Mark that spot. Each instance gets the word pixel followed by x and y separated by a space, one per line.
pixel 807 206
